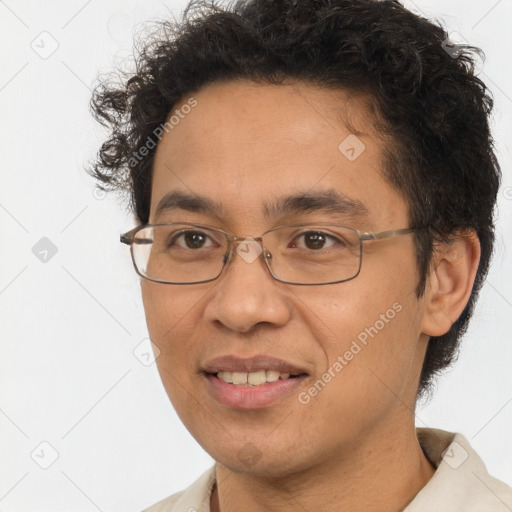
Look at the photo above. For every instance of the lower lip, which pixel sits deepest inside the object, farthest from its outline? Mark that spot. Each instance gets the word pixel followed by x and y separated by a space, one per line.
pixel 251 397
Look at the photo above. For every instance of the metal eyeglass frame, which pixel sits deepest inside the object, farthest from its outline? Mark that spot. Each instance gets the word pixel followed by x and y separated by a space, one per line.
pixel 128 238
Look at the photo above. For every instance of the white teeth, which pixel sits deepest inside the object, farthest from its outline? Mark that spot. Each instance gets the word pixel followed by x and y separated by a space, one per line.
pixel 239 377
pixel 225 376
pixel 257 378
pixel 272 375
pixel 252 378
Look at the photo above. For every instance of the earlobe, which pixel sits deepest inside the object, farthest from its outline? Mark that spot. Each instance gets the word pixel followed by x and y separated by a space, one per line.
pixel 450 282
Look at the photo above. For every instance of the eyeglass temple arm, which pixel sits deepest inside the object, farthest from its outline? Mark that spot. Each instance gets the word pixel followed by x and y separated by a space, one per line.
pixel 387 234
pixel 129 237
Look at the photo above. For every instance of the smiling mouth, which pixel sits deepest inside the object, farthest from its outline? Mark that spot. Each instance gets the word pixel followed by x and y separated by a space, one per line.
pixel 257 378
pixel 256 389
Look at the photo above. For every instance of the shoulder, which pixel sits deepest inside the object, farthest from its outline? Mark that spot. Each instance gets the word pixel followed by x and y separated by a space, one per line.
pixel 166 504
pixel 195 498
pixel 461 481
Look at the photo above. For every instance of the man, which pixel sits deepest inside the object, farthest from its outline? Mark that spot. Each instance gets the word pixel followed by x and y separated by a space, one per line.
pixel 314 184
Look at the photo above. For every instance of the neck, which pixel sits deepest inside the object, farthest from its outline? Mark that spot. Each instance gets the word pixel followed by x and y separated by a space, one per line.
pixel 382 474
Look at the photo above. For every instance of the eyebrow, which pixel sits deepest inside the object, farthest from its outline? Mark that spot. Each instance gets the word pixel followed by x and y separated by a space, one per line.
pixel 177 200
pixel 327 201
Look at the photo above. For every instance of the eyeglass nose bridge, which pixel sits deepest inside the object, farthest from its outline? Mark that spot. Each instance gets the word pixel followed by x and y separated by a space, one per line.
pixel 233 240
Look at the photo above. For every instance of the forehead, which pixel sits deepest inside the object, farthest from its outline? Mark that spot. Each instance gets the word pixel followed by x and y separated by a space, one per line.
pixel 248 146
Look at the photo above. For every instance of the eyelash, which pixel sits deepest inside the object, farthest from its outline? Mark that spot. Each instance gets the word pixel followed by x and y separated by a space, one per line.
pixel 302 235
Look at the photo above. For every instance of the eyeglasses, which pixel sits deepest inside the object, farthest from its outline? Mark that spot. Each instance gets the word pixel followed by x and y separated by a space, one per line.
pixel 303 254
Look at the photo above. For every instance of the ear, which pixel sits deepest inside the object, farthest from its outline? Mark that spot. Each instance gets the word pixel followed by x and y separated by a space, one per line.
pixel 450 282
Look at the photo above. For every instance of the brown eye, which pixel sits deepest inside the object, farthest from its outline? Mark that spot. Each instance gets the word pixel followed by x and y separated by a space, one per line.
pixel 314 240
pixel 191 239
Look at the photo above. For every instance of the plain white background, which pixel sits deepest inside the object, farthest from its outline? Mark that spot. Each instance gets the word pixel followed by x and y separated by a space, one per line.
pixel 73 373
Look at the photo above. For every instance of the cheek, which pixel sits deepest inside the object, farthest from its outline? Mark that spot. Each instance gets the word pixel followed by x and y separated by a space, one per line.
pixel 368 361
pixel 169 308
pixel 385 359
pixel 370 323
pixel 170 317
pixel 340 313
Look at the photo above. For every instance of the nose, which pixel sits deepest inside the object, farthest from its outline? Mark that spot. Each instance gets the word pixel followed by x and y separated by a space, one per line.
pixel 246 294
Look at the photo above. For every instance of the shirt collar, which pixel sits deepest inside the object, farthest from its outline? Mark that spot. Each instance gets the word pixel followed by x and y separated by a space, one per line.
pixel 461 482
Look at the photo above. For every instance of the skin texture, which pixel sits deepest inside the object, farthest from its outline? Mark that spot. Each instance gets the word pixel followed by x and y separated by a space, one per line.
pixel 353 446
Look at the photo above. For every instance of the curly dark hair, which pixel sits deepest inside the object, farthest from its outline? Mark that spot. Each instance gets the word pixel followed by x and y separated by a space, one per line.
pixel 435 110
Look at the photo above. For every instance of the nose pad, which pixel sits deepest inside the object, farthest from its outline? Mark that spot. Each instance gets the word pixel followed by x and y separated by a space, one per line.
pixel 249 249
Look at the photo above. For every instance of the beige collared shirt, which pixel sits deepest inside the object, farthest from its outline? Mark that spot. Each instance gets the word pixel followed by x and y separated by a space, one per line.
pixel 461 482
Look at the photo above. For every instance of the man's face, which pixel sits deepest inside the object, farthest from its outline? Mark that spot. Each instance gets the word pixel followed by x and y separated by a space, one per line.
pixel 244 146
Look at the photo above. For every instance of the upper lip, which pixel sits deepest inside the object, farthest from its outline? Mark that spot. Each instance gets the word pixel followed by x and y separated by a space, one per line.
pixel 230 363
